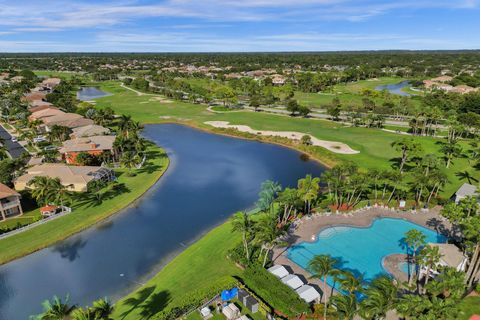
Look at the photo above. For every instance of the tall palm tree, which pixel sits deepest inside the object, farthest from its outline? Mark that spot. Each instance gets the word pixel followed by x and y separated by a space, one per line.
pixel 308 189
pixel 56 309
pixel 451 150
pixel 322 266
pixel 269 234
pixel 347 306
pixel 414 239
pixel 242 223
pixel 407 147
pixel 429 256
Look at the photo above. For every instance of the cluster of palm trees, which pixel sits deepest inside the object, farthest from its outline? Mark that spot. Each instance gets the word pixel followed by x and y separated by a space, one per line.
pixel 437 299
pixel 46 190
pixel 129 147
pixel 466 216
pixel 279 207
pixel 59 309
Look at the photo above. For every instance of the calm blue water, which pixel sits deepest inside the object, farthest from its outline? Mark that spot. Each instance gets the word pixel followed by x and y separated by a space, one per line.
pixel 90 93
pixel 396 88
pixel 361 250
pixel 209 178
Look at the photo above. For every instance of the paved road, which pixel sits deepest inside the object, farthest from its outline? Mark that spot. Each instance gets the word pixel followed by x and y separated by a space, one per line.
pixel 13 148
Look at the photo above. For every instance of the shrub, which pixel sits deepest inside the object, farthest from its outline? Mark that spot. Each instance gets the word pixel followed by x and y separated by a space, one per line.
pixel 278 295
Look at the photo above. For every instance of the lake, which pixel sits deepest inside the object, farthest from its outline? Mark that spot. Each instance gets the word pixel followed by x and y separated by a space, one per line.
pixel 90 93
pixel 396 88
pixel 209 178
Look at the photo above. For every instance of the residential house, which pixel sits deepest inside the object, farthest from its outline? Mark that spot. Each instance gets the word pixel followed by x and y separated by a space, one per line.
pixel 9 202
pixel 442 79
pixel 89 131
pixel 45 113
pixel 278 80
pixel 75 178
pixel 38 105
pixel 51 83
pixel 462 89
pixel 34 96
pixel 16 79
pixel 466 190
pixel 94 145
pixel 70 120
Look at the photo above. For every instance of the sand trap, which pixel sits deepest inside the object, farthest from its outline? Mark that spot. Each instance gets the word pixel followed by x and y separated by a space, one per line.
pixel 161 100
pixel 333 146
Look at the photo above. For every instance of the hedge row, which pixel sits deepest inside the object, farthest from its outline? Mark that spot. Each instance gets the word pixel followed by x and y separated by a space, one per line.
pixel 278 295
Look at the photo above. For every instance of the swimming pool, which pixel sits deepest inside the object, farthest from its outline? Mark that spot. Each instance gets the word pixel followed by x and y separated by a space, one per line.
pixel 360 250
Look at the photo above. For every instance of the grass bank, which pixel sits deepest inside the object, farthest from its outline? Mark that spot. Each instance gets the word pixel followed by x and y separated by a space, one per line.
pixel 197 267
pixel 87 213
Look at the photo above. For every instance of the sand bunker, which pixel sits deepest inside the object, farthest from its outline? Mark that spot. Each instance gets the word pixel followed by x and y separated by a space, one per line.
pixel 333 146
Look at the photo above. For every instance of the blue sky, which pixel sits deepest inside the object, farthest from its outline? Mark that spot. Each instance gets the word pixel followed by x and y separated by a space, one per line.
pixel 237 25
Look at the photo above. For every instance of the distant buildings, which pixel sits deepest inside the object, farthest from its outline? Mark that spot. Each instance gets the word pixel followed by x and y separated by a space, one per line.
pixel 441 83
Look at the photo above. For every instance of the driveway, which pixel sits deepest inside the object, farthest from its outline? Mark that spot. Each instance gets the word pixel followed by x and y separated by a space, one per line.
pixel 13 148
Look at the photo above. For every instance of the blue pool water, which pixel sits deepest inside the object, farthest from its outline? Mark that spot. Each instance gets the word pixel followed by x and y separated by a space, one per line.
pixel 360 250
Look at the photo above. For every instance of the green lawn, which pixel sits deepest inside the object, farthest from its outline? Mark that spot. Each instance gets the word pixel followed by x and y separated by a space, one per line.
pixel 373 144
pixel 205 261
pixel 469 306
pixel 197 267
pixel 59 74
pixel 86 214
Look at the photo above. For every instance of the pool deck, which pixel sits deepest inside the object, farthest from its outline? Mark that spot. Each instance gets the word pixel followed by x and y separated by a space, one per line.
pixel 311 226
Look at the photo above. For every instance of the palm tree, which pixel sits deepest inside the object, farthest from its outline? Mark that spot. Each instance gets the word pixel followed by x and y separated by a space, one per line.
pixel 308 188
pixel 102 308
pixel 429 257
pixel 241 223
pixel 269 191
pixel 407 147
pixel 347 305
pixel 129 160
pixel 414 239
pixel 269 235
pixel 45 189
pixel 322 266
pixel 125 124
pixel 83 314
pixel 451 150
pixel 381 296
pixel 412 305
pixel 56 309
pixel 349 282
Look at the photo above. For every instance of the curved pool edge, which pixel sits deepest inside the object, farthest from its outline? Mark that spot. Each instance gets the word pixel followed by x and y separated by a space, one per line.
pixel 103 218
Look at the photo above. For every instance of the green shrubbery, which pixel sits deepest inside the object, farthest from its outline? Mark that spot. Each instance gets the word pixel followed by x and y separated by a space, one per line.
pixel 196 298
pixel 278 295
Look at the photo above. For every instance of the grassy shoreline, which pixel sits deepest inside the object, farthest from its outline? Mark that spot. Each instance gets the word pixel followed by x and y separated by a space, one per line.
pixel 84 215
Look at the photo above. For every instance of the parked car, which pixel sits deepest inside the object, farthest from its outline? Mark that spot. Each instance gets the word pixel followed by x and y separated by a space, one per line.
pixel 49 148
pixel 14 139
pixel 39 139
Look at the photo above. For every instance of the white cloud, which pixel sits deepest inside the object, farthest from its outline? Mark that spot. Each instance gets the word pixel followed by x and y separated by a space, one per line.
pixel 64 14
